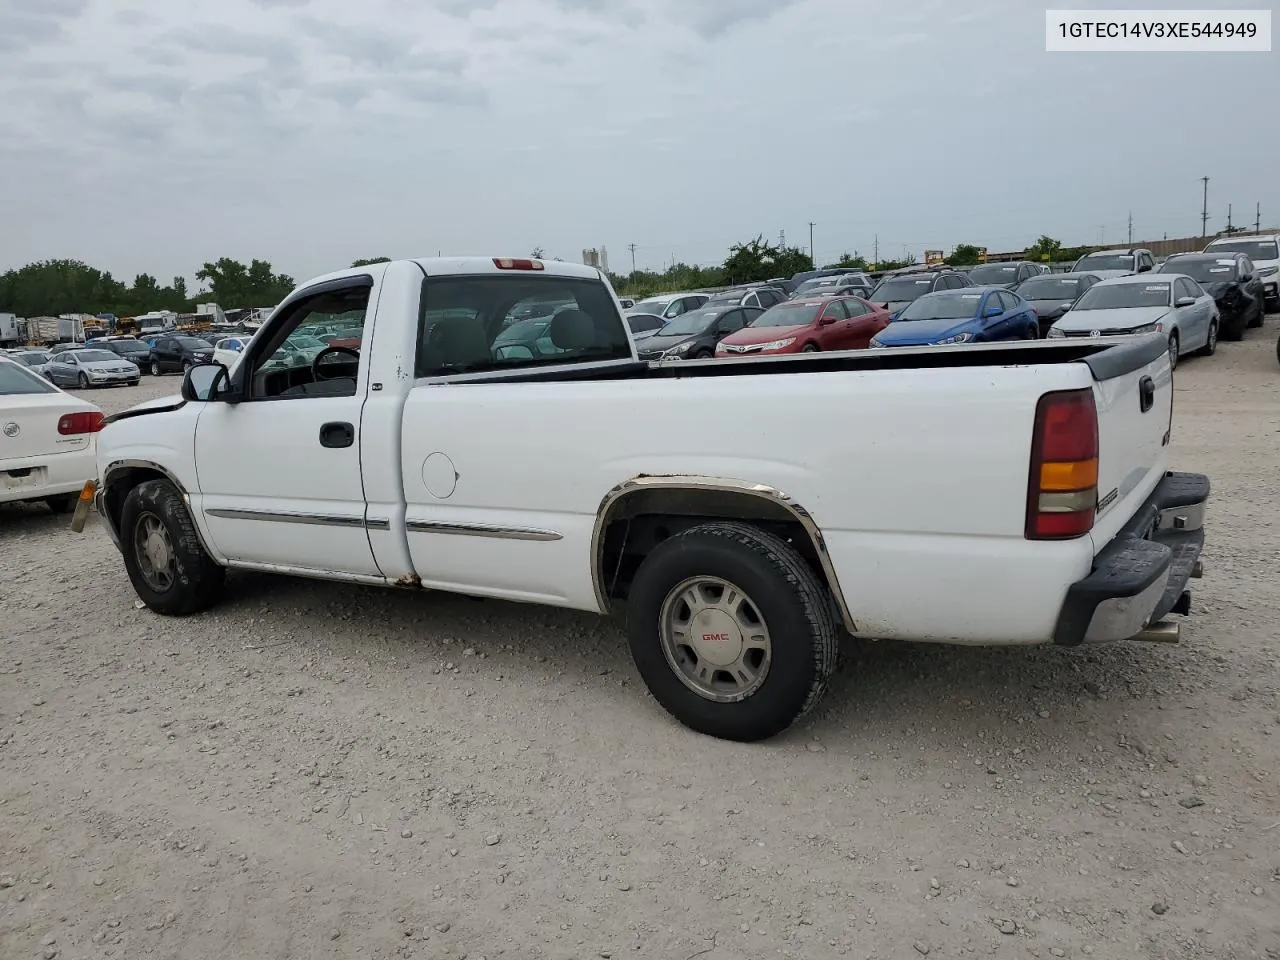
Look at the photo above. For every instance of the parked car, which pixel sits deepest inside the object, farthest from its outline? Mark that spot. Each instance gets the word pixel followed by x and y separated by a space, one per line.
pixel 227 350
pixel 1002 274
pixel 91 368
pixel 808 326
pixel 1116 263
pixel 1233 282
pixel 1168 304
pixel 971 315
pixel 36 360
pixel 527 340
pixel 841 285
pixel 173 354
pixel 719 521
pixel 644 324
pixel 805 275
pixel 897 290
pixel 693 336
pixel 671 304
pixel 47 449
pixel 135 351
pixel 626 303
pixel 1264 251
pixel 1052 294
pixel 760 296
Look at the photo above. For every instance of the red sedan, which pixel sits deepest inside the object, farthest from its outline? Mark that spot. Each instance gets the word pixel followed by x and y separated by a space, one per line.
pixel 806 326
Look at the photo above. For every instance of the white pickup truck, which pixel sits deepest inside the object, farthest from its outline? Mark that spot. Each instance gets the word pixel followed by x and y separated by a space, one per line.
pixel 739 513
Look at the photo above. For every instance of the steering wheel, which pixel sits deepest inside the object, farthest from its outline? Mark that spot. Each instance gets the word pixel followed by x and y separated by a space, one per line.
pixel 315 362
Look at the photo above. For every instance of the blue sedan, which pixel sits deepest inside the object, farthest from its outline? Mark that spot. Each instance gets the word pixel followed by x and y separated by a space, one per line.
pixel 967 315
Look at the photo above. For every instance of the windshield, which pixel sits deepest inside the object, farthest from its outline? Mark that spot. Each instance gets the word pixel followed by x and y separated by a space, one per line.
pixel 890 291
pixel 788 315
pixel 1124 296
pixel 95 356
pixel 690 324
pixel 1050 288
pixel 943 306
pixel 193 343
pixel 1254 249
pixel 16 380
pixel 656 305
pixel 1201 270
pixel 994 273
pixel 32 358
pixel 816 285
pixel 1106 261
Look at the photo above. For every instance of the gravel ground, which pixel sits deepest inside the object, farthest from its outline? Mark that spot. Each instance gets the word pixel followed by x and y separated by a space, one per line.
pixel 320 771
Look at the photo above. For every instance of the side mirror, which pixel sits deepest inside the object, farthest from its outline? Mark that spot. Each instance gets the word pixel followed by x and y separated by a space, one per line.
pixel 1145 268
pixel 826 321
pixel 1185 302
pixel 992 312
pixel 205 381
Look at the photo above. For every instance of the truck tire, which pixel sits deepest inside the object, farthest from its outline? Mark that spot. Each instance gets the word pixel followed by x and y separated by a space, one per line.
pixel 166 563
pixel 731 631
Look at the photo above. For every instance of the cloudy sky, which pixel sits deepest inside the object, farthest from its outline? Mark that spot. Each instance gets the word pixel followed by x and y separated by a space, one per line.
pixel 152 135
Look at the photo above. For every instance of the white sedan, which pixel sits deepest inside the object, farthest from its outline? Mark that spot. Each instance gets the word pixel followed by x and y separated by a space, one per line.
pixel 1171 304
pixel 227 351
pixel 48 442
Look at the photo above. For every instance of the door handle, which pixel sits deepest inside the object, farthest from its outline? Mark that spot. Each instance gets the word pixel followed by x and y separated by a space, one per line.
pixel 337 435
pixel 1146 394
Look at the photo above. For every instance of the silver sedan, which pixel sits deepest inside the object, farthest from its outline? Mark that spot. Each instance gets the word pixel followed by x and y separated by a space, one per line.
pixel 91 368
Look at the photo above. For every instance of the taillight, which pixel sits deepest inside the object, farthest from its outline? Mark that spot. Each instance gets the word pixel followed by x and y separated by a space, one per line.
pixel 506 263
pixel 1062 492
pixel 71 424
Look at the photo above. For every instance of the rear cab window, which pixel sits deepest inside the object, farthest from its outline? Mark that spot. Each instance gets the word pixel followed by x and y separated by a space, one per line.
pixel 496 322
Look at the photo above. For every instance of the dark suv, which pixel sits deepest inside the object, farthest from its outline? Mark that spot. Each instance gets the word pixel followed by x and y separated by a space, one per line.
pixel 896 290
pixel 135 351
pixel 761 296
pixel 1232 281
pixel 174 353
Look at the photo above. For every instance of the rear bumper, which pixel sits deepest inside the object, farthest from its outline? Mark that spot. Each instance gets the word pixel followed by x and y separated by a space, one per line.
pixel 40 477
pixel 1141 575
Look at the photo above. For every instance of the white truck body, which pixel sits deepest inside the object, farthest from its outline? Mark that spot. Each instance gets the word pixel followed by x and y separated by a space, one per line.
pixel 903 481
pixel 10 335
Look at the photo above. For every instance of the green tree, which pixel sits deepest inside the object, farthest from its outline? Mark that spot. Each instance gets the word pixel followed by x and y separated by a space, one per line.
pixel 853 261
pixel 965 255
pixel 370 261
pixel 537 253
pixel 1045 249
pixel 907 261
pixel 758 260
pixel 232 284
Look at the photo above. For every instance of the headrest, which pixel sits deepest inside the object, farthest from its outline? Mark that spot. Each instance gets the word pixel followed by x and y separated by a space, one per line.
pixel 572 330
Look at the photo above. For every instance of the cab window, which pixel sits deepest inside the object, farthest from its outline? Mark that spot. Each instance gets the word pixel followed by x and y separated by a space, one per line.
pixel 488 322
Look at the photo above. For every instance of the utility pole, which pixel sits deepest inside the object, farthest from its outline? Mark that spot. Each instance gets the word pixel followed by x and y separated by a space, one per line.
pixel 1257 218
pixel 875 257
pixel 1229 228
pixel 1204 210
pixel 812 255
pixel 782 239
pixel 632 248
pixel 1131 228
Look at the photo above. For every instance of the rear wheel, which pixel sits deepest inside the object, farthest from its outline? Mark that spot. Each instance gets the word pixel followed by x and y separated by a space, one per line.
pixel 1210 345
pixel 731 630
pixel 168 567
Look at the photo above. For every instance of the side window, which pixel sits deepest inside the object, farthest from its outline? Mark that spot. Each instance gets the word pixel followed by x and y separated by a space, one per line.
pixel 835 310
pixel 1007 300
pixel 284 366
pixel 750 314
pixel 479 323
pixel 676 308
pixel 731 322
pixel 855 308
pixel 1193 288
pixel 1183 288
pixel 1246 266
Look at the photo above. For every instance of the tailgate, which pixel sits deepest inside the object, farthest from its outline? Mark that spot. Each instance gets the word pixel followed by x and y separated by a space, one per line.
pixel 1135 407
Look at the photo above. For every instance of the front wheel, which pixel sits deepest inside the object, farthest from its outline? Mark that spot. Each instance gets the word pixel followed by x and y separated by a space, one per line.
pixel 810 348
pixel 168 567
pixel 1211 343
pixel 703 355
pixel 1259 315
pixel 155 368
pixel 82 382
pixel 1173 350
pixel 731 630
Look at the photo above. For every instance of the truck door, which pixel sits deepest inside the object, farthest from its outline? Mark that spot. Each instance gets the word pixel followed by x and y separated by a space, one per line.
pixel 279 472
